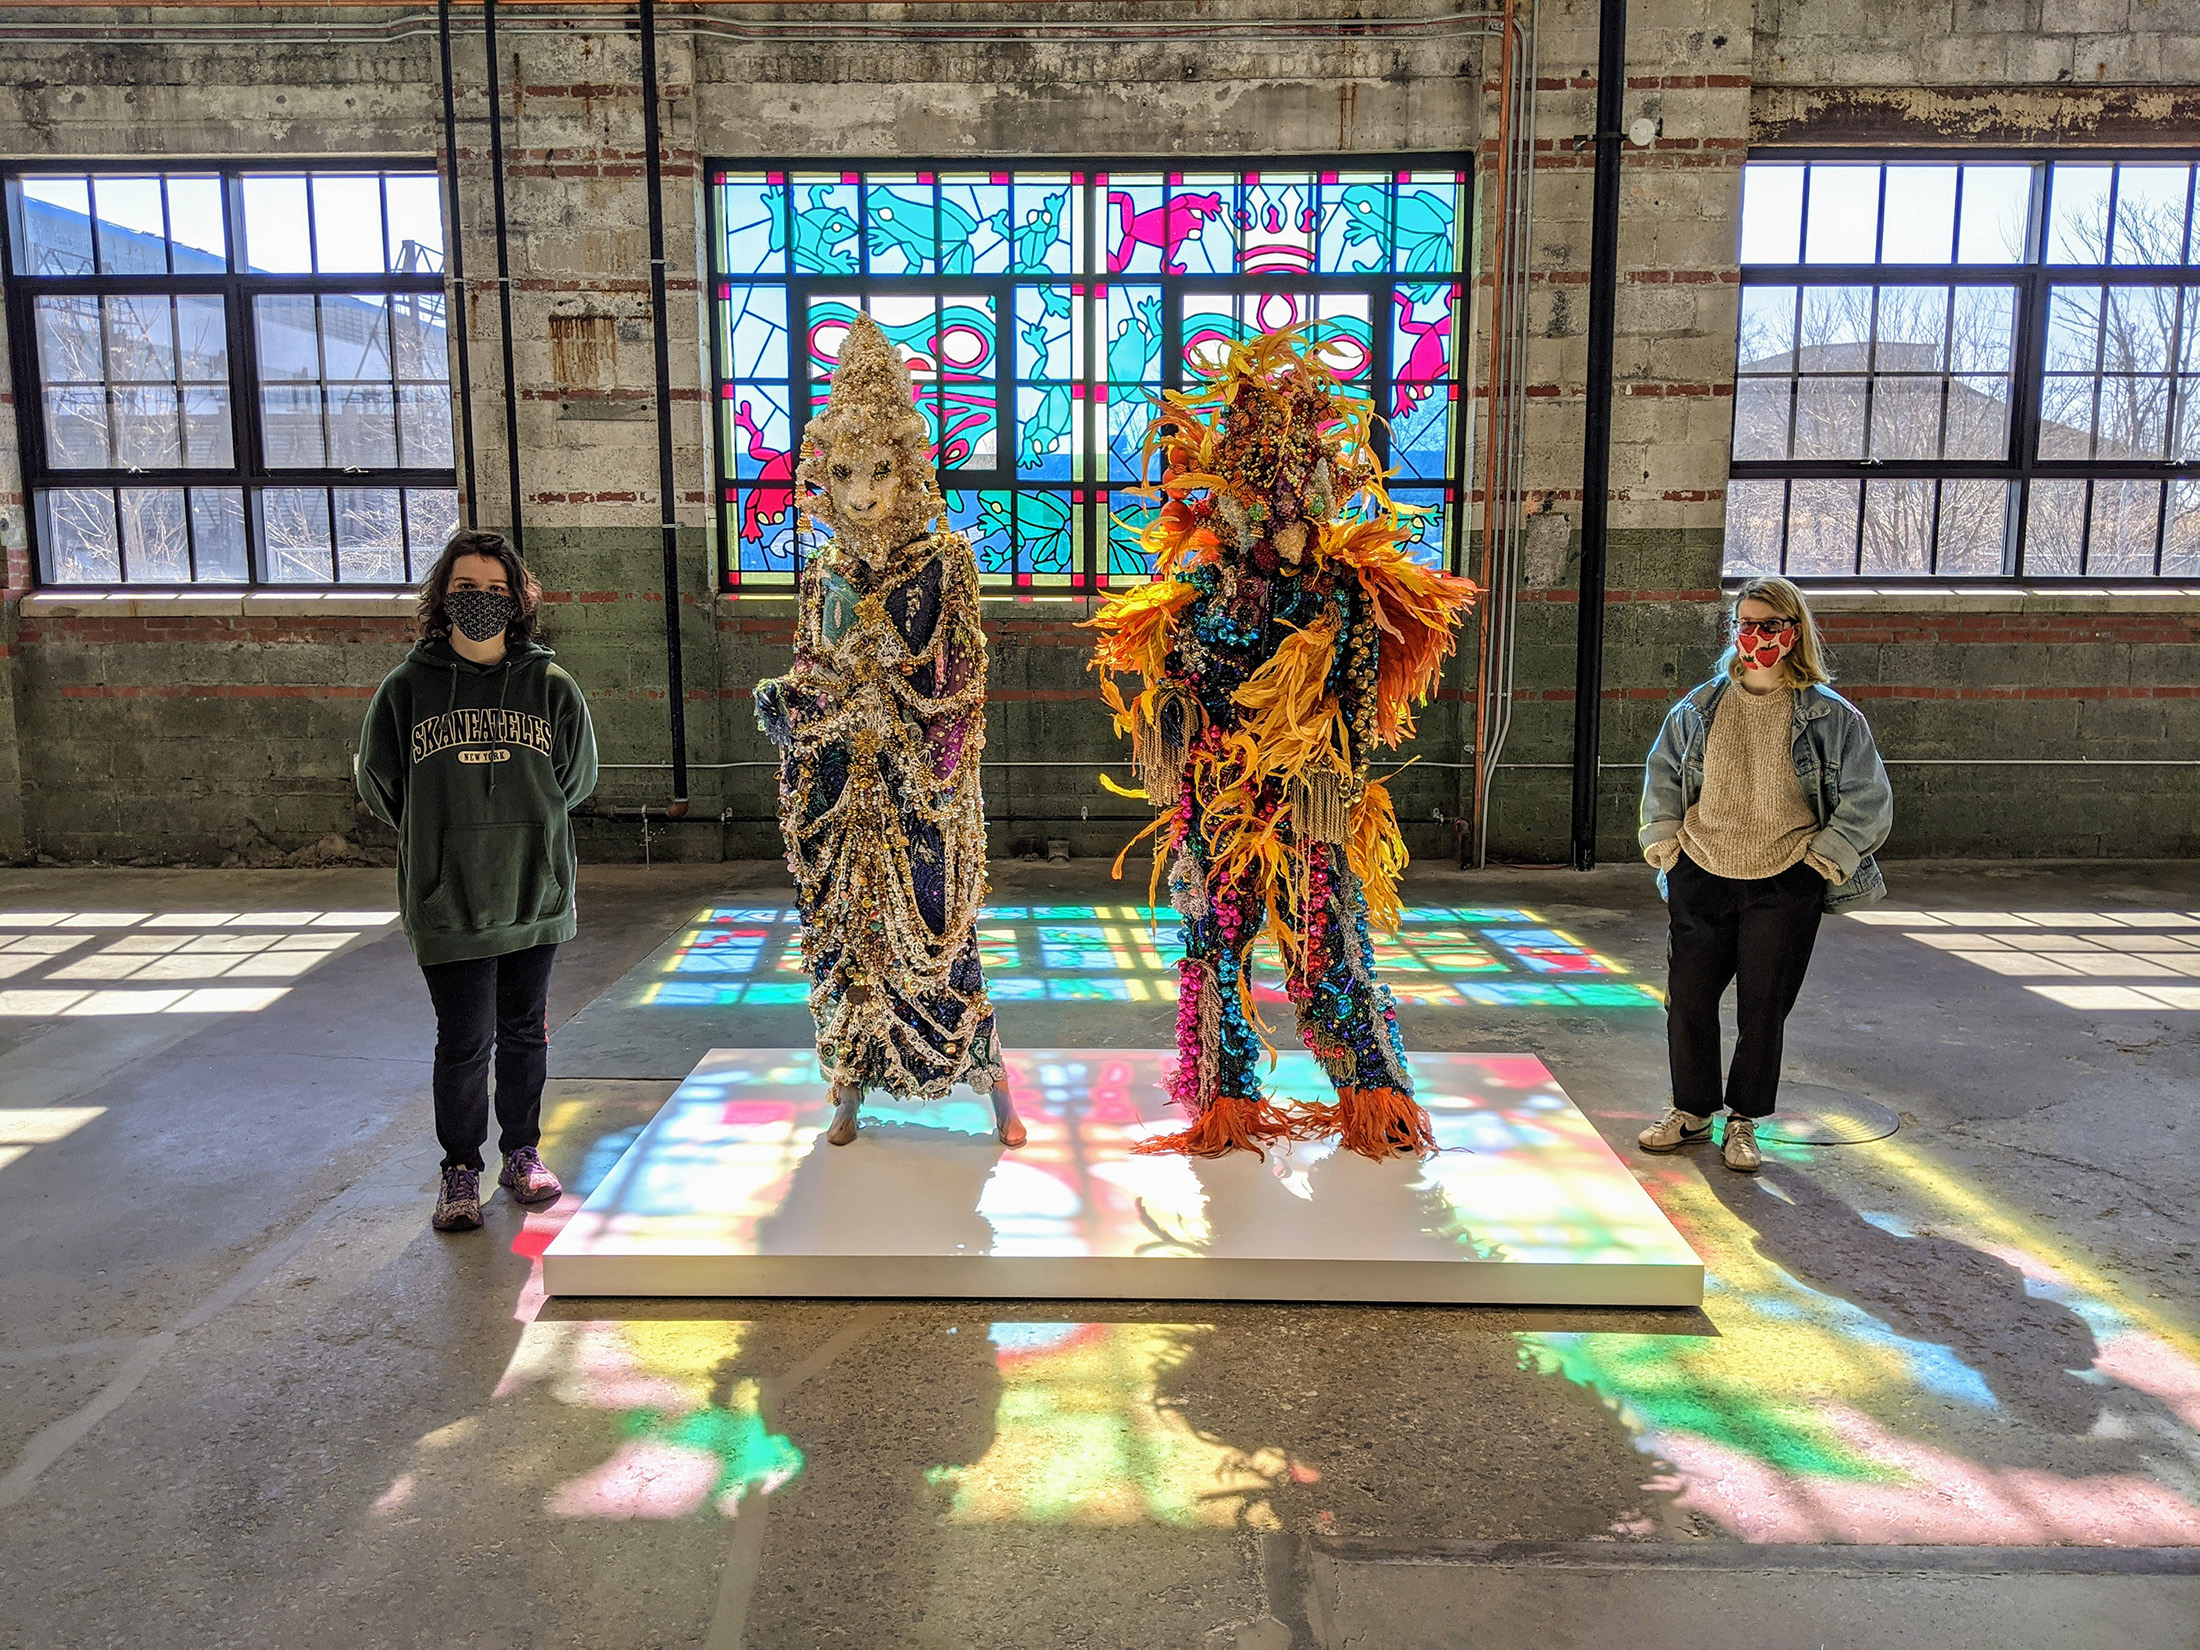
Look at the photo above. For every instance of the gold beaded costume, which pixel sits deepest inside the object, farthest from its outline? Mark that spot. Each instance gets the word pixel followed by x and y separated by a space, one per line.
pixel 880 723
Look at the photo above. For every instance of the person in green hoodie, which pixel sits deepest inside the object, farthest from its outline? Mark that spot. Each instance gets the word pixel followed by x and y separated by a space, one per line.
pixel 474 750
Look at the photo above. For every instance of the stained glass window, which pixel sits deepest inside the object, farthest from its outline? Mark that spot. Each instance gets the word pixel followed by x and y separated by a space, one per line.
pixel 1043 309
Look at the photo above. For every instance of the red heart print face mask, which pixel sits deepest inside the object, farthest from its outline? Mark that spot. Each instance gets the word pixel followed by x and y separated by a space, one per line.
pixel 1762 643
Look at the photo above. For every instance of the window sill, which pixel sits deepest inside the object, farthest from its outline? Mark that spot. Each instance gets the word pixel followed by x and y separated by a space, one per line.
pixel 227 604
pixel 1996 598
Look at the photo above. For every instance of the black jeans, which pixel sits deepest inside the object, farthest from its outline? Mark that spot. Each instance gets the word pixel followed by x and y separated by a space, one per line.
pixel 486 1003
pixel 1757 934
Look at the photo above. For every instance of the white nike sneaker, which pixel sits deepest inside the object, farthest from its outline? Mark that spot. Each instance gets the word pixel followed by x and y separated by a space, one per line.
pixel 1674 1130
pixel 1739 1148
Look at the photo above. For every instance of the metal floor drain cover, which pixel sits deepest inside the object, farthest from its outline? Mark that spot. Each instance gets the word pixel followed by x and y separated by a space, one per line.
pixel 1810 1114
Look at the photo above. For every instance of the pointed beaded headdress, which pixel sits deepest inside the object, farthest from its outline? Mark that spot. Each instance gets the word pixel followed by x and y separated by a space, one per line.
pixel 872 400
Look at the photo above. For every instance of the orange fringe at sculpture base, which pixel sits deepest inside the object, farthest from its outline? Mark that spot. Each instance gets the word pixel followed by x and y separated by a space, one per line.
pixel 1372 1122
pixel 1226 1124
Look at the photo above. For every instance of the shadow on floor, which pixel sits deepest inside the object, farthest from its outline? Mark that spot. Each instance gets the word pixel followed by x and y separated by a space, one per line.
pixel 1928 1288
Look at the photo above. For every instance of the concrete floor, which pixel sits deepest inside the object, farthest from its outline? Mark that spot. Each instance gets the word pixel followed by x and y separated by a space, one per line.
pixel 1945 1388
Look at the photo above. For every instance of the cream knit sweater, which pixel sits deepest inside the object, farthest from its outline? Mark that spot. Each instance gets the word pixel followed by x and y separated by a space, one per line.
pixel 1752 819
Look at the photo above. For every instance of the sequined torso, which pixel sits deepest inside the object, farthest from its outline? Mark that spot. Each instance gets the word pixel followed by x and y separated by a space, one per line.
pixel 881 721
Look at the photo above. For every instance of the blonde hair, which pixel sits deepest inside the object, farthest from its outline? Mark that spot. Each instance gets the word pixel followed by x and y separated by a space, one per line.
pixel 1806 660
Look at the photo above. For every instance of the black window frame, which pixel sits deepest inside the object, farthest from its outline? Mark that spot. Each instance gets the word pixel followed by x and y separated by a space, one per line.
pixel 2034 281
pixel 237 287
pixel 1091 575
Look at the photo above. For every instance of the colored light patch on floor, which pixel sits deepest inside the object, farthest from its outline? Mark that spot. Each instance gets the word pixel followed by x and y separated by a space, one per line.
pixel 1079 1438
pixel 730 1190
pixel 1441 957
pixel 2154 956
pixel 1894 1416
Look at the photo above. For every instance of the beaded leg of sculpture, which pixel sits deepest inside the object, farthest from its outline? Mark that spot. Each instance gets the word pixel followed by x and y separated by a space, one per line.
pixel 1216 1082
pixel 1349 1021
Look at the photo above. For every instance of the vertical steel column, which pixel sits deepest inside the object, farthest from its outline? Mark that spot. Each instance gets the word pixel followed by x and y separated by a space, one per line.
pixel 504 268
pixel 454 259
pixel 667 500
pixel 1596 458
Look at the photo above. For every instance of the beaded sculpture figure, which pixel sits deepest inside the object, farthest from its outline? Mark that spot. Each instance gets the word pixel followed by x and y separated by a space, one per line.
pixel 1281 642
pixel 880 723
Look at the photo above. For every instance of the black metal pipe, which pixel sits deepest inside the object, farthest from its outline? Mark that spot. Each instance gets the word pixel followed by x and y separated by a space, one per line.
pixel 667 500
pixel 454 258
pixel 504 269
pixel 1596 457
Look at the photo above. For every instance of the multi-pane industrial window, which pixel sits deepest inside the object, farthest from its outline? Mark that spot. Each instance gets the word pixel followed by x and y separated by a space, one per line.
pixel 231 376
pixel 1977 370
pixel 1044 308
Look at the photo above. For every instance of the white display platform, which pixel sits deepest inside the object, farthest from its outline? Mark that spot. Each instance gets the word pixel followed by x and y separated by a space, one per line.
pixel 732 1190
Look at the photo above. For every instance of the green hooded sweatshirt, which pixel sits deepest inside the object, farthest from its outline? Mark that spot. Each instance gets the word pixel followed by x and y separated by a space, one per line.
pixel 476 766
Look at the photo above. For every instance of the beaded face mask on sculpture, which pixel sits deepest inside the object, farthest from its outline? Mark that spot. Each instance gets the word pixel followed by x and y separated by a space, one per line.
pixel 1286 451
pixel 866 469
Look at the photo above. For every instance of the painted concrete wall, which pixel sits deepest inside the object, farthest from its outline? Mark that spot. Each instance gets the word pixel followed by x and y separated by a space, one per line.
pixel 137 729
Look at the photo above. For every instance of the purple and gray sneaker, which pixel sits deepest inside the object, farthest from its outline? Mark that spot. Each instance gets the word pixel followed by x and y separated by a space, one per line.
pixel 458 1206
pixel 527 1179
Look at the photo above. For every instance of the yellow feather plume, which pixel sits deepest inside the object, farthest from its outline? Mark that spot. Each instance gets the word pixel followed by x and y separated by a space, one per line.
pixel 1377 854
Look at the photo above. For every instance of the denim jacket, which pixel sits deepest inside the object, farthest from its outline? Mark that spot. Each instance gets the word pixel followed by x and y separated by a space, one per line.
pixel 1835 760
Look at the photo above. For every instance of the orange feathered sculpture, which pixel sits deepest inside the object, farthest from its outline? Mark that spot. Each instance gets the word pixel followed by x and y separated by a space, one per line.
pixel 1286 637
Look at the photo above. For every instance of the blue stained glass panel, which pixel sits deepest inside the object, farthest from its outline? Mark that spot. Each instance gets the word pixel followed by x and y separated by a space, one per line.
pixel 1428 222
pixel 966 349
pixel 1278 223
pixel 825 224
pixel 751 216
pixel 830 316
pixel 1047 337
pixel 1127 559
pixel 994 543
pixel 1345 335
pixel 983 519
pixel 1133 333
pixel 1133 220
pixel 904 224
pixel 1355 222
pixel 1046 432
pixel 1428 525
pixel 1048 530
pixel 1210 327
pixel 1130 410
pixel 1044 227
pixel 1423 384
pixel 753 331
pixel 764 529
pixel 759 432
pixel 975 225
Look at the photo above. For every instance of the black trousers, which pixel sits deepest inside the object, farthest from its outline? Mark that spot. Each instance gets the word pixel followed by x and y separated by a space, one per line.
pixel 485 1005
pixel 1757 934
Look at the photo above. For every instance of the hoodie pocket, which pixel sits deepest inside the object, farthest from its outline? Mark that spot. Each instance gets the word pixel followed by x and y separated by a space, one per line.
pixel 492 876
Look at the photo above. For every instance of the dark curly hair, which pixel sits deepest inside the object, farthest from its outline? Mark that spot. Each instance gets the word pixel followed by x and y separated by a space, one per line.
pixel 429 618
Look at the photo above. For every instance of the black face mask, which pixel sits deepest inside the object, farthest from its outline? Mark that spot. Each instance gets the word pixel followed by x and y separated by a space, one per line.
pixel 480 614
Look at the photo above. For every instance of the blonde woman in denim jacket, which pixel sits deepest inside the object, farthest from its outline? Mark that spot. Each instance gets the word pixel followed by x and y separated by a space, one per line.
pixel 1763 802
